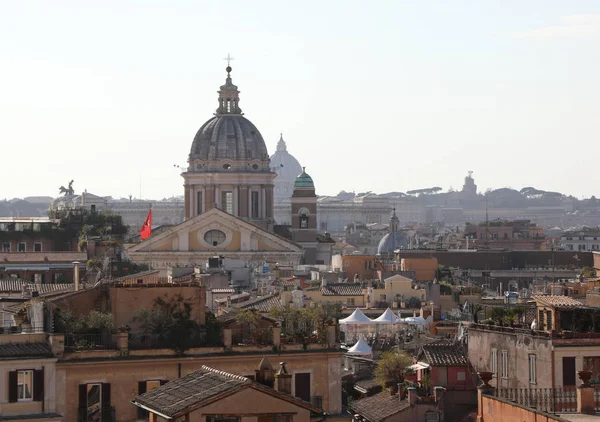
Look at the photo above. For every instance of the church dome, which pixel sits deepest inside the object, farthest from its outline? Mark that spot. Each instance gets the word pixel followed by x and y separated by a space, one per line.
pixel 394 239
pixel 304 181
pixel 391 242
pixel 228 136
pixel 228 141
pixel 287 168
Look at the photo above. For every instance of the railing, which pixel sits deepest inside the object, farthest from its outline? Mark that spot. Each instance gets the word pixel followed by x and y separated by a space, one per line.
pixel 146 341
pixel 86 342
pixel 101 414
pixel 257 336
pixel 549 400
pixel 597 399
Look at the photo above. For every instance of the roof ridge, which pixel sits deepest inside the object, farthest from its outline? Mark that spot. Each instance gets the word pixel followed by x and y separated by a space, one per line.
pixel 226 374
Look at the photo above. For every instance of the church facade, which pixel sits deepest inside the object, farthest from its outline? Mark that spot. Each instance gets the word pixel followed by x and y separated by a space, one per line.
pixel 229 200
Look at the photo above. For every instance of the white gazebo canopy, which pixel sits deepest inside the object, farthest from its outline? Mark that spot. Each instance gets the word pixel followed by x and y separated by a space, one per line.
pixel 415 320
pixel 357 318
pixel 360 348
pixel 388 317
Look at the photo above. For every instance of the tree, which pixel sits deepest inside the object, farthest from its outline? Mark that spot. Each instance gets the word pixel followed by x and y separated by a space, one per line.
pixel 170 323
pixel 392 367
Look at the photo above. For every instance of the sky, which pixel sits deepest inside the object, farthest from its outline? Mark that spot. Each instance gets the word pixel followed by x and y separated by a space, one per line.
pixel 370 96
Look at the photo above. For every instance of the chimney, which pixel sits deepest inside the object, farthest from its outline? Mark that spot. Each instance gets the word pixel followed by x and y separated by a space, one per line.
pixel 324 281
pixel 283 380
pixel 412 396
pixel 76 274
pixel 265 373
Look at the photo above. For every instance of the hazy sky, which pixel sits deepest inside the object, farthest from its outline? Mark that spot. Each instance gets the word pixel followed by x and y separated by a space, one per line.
pixel 370 95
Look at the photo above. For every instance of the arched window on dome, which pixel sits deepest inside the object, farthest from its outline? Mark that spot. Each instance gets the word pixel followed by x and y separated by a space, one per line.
pixel 303 213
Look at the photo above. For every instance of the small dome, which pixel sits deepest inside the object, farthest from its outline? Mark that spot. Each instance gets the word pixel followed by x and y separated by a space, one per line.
pixel 304 181
pixel 391 242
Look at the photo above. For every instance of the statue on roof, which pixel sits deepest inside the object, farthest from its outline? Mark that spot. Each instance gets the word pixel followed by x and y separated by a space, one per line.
pixel 67 191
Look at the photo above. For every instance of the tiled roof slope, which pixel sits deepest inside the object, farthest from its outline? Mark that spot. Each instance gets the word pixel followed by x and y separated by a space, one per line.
pixel 557 301
pixel 203 387
pixel 379 407
pixel 261 304
pixel 342 289
pixel 24 351
pixel 15 285
pixel 444 354
pixel 179 394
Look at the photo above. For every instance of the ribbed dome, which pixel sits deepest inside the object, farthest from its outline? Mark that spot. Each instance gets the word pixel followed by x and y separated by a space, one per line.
pixel 304 181
pixel 228 136
pixel 287 168
pixel 391 242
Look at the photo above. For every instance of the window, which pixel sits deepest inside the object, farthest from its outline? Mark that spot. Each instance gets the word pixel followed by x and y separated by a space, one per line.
pixel 199 204
pixel 350 301
pixel 304 220
pixel 461 376
pixel 22 247
pixel 302 386
pixel 37 247
pixel 254 205
pixel 582 247
pixel 94 402
pixel 495 362
pixel 505 364
pixel 24 385
pixel 214 237
pixel 6 247
pixel 227 202
pixel 531 369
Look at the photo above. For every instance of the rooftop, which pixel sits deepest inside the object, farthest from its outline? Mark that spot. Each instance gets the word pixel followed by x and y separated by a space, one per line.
pixel 444 354
pixel 342 289
pixel 379 407
pixel 557 301
pixel 25 351
pixel 202 385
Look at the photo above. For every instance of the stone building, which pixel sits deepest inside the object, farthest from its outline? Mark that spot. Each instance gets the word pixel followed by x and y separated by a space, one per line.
pixel 228 165
pixel 304 216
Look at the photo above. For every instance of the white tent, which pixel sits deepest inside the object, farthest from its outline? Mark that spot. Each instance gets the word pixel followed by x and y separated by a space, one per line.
pixel 357 318
pixel 388 317
pixel 356 324
pixel 360 348
pixel 415 320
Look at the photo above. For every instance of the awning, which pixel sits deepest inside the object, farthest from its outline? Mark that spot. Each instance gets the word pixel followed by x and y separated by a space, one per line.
pixel 418 365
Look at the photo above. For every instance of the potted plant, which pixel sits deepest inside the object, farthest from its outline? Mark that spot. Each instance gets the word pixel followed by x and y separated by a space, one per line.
pixel 124 328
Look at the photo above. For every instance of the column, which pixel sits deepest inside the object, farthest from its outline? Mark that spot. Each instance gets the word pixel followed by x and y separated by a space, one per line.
pixel 217 197
pixel 236 197
pixel 187 201
pixel 263 202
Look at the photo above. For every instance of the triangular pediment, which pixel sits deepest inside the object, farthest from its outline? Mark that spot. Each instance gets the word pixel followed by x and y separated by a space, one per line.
pixel 215 231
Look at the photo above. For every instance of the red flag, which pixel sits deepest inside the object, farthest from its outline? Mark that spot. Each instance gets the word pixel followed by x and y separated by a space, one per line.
pixel 146 230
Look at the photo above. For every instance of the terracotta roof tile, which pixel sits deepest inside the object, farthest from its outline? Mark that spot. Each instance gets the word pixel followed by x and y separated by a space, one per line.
pixel 24 350
pixel 15 285
pixel 557 301
pixel 342 289
pixel 444 354
pixel 261 304
pixel 194 388
pixel 379 407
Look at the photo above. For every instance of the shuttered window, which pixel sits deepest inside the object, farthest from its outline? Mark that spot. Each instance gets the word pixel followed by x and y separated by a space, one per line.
pixel 26 385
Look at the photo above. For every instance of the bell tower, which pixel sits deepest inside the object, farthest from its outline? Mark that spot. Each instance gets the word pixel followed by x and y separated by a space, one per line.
pixel 304 216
